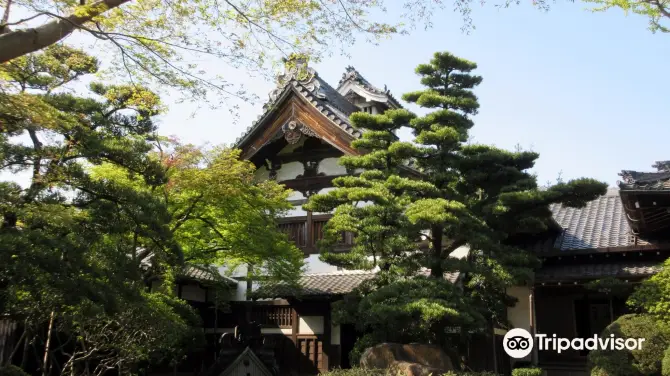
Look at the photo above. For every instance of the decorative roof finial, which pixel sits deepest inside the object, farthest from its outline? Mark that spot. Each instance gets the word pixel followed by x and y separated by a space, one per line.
pixel 662 166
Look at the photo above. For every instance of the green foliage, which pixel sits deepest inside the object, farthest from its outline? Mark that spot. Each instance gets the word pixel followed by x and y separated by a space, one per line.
pixel 646 361
pixel 157 43
pixel 372 205
pixel 68 241
pixel 611 287
pixel 218 214
pixel 486 195
pixel 454 195
pixel 408 310
pixel 665 364
pixel 658 12
pixel 356 371
pixel 527 372
pixel 12 370
pixel 651 296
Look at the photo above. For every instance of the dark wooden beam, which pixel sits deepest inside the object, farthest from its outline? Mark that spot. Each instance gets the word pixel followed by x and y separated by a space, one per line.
pixel 295 326
pixel 661 246
pixel 297 108
pixel 310 184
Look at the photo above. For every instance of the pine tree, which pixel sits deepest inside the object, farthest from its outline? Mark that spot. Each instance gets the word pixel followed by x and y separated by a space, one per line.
pixel 459 195
pixel 371 205
pixel 490 190
pixel 399 304
pixel 68 242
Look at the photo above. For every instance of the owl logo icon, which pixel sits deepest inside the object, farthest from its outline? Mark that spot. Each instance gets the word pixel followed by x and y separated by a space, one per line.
pixel 518 343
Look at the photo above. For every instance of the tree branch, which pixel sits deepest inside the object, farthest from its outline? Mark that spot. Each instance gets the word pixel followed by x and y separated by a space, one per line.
pixel 20 42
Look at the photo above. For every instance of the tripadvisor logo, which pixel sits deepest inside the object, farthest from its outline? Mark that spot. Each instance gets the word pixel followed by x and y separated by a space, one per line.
pixel 518 343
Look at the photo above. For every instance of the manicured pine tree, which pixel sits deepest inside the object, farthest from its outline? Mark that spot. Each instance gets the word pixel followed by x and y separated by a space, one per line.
pixel 489 190
pixel 465 195
pixel 370 205
pixel 400 304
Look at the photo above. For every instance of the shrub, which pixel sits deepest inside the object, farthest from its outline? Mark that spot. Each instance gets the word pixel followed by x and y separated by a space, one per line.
pixel 527 372
pixel 11 370
pixel 665 367
pixel 356 371
pixel 644 362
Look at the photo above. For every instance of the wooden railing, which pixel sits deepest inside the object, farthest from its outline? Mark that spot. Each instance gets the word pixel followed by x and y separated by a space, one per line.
pixel 305 232
pixel 295 231
pixel 279 317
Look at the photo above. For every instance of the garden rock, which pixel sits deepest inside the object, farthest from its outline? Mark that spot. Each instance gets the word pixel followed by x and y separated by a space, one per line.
pixel 412 359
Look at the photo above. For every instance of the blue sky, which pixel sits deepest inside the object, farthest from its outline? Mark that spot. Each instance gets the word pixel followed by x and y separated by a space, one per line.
pixel 588 91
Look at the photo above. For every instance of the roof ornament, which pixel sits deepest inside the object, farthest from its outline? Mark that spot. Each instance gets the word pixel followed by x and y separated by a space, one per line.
pixel 662 166
pixel 350 73
pixel 294 130
pixel 298 73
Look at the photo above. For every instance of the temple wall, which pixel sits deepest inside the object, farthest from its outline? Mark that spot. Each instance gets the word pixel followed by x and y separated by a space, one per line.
pixel 331 166
pixel 519 315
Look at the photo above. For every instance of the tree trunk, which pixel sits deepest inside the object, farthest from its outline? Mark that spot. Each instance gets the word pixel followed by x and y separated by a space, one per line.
pixel 17 43
pixel 436 269
pixel 47 346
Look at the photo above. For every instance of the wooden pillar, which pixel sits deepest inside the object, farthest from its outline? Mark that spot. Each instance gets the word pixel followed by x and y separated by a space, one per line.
pixel 309 229
pixel 326 339
pixel 495 348
pixel 531 312
pixel 250 287
pixel 294 326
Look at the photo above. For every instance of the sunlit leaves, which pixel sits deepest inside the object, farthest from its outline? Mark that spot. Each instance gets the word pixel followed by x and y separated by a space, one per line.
pixel 69 239
pixel 156 42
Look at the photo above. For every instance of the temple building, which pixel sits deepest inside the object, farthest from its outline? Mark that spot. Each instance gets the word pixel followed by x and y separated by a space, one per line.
pixel 297 141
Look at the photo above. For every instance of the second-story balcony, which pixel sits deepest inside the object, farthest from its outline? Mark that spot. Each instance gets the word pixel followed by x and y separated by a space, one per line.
pixel 306 231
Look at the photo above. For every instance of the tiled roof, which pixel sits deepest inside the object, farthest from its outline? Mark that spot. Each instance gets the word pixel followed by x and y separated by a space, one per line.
pixel 319 284
pixel 635 180
pixel 335 283
pixel 600 224
pixel 206 274
pixel 314 90
pixel 596 271
pixel 351 74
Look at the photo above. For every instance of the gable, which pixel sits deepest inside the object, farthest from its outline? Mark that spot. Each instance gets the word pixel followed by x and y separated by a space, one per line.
pixel 293 120
pixel 301 106
pixel 247 364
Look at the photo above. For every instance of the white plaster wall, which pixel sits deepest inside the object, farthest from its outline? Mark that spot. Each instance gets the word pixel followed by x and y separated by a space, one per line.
pixel 295 195
pixel 263 330
pixel 519 315
pixel 314 265
pixel 240 292
pixel 296 211
pixel 290 171
pixel 310 325
pixel 193 292
pixel 335 334
pixel 262 174
pixel 331 166
pixel 288 149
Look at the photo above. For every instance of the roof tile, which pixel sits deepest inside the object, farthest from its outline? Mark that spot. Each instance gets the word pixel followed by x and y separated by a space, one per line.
pixel 595 271
pixel 600 224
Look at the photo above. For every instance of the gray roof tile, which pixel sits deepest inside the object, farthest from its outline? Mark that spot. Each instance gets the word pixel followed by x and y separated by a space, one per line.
pixel 317 92
pixel 206 274
pixel 323 284
pixel 601 224
pixel 596 271
pixel 635 180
